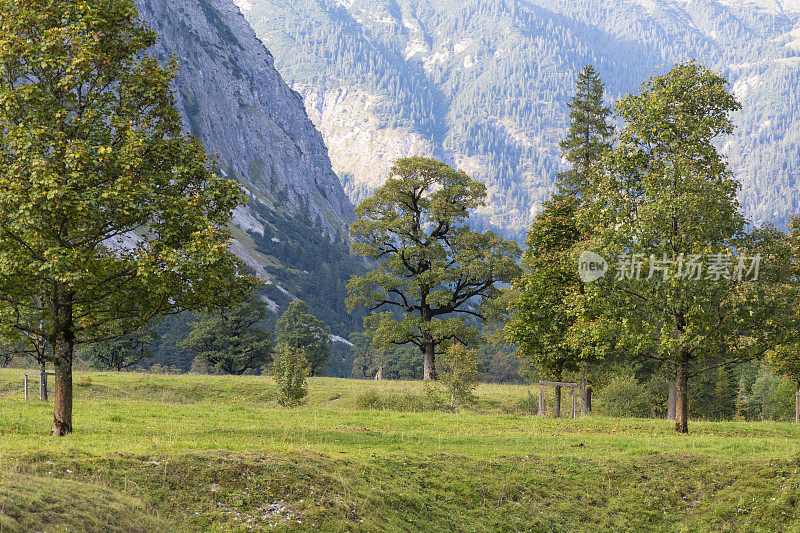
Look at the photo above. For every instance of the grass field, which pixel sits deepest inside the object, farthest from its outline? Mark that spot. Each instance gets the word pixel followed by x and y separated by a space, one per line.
pixel 201 453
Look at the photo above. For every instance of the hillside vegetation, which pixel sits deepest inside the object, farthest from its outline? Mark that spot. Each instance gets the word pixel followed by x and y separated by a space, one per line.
pixel 200 453
pixel 485 84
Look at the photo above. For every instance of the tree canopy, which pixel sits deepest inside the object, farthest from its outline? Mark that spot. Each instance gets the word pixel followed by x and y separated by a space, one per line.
pixel 232 340
pixel 433 269
pixel 690 286
pixel 109 213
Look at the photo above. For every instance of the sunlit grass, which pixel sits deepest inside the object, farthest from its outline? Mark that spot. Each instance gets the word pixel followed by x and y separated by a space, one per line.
pixel 223 447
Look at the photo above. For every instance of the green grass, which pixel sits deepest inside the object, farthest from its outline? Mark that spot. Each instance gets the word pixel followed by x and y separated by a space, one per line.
pixel 207 453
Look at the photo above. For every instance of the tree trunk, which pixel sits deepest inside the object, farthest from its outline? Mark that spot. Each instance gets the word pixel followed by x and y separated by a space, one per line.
pixel 589 399
pixel 681 399
pixel 62 405
pixel 558 376
pixel 379 373
pixel 429 372
pixel 671 402
pixel 62 354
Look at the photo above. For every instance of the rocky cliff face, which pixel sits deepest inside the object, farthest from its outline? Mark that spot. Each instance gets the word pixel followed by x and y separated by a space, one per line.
pixel 234 100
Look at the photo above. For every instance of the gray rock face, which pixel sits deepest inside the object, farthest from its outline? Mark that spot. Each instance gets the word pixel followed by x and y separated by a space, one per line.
pixel 234 100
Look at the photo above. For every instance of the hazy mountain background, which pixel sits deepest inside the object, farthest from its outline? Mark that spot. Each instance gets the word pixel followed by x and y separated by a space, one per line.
pixel 484 84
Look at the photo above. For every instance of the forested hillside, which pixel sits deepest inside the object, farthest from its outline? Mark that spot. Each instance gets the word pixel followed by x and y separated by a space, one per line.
pixel 484 84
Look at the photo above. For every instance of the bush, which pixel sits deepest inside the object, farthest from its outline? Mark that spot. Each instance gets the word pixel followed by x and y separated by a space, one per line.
pixel 291 369
pixel 528 405
pixel 460 373
pixel 624 397
pixel 406 401
pixel 369 400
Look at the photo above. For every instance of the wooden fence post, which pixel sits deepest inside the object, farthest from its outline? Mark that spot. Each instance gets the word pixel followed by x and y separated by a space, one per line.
pixel 589 399
pixel 574 402
pixel 797 408
pixel 541 399
pixel 26 387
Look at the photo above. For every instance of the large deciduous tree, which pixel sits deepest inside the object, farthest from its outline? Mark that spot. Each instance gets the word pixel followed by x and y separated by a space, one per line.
pixel 109 213
pixel 433 268
pixel 685 286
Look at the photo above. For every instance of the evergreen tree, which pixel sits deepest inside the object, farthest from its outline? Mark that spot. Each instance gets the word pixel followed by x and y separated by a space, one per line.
pixel 589 133
pixel 231 340
pixel 303 331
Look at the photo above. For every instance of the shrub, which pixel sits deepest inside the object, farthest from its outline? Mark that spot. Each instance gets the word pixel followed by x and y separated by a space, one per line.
pixel 624 397
pixel 460 373
pixel 369 400
pixel 291 369
pixel 405 401
pixel 528 405
pixel 200 366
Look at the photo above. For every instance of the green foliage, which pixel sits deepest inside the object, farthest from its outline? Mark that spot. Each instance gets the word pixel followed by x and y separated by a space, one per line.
pixel 547 298
pixel 419 402
pixel 623 397
pixel 589 134
pixel 122 353
pixel 460 373
pixel 785 360
pixel 768 397
pixel 666 193
pixel 232 339
pixel 301 330
pixel 433 269
pixel 111 214
pixel 290 369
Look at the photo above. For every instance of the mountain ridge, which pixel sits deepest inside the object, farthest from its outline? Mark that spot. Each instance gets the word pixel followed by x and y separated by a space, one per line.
pixel 485 85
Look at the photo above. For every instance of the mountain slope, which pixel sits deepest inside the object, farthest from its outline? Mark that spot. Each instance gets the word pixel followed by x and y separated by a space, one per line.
pixel 293 232
pixel 484 84
pixel 234 100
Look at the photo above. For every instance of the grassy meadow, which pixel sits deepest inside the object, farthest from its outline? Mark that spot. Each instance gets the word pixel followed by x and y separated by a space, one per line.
pixel 216 453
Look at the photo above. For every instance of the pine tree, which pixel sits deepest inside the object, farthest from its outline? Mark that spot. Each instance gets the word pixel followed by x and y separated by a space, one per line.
pixel 589 133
